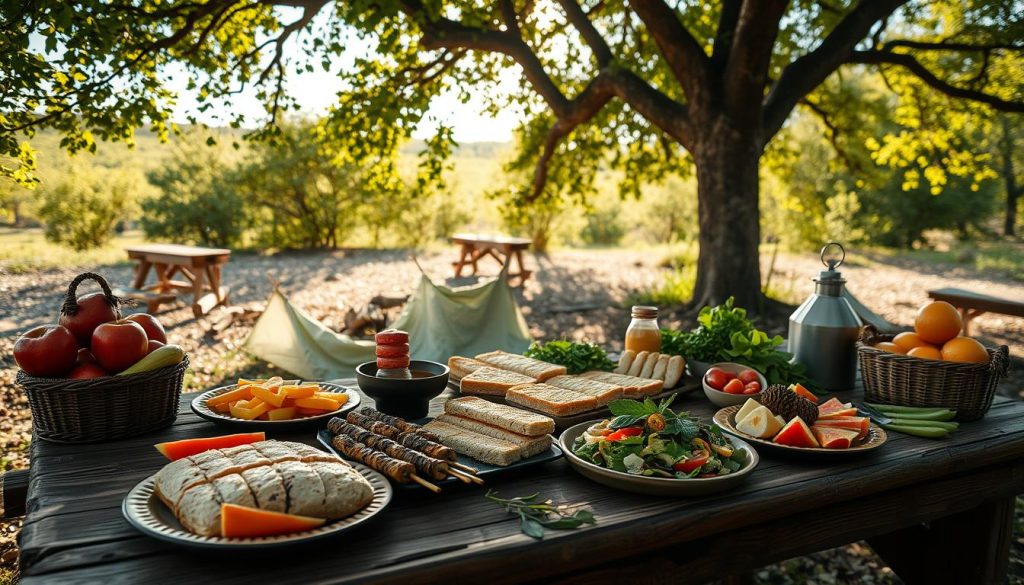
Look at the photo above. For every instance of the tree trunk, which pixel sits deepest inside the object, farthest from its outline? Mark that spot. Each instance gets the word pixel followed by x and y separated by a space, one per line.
pixel 727 207
pixel 1010 179
pixel 1010 223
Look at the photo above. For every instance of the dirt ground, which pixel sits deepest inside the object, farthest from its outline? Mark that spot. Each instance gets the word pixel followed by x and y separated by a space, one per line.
pixel 575 294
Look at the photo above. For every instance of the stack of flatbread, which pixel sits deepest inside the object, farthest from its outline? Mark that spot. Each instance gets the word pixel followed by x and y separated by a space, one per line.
pixel 493 433
pixel 277 476
pixel 545 387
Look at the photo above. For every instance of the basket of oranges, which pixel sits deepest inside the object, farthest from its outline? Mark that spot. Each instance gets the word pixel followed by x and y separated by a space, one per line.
pixel 934 365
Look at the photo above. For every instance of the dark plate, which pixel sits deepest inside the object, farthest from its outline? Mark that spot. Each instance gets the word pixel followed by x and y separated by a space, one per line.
pixel 144 510
pixel 317 421
pixel 483 469
pixel 725 418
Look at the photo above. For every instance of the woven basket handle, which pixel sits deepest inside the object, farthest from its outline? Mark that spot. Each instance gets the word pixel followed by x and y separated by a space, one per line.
pixel 999 365
pixel 70 306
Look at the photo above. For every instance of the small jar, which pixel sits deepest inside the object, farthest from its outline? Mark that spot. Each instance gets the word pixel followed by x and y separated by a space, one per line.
pixel 643 333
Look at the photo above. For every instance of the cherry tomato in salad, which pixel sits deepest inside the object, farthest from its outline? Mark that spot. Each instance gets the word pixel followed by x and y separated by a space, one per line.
pixel 695 460
pixel 625 433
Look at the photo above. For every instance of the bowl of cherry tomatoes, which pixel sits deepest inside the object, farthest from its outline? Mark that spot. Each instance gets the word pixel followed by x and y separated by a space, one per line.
pixel 729 384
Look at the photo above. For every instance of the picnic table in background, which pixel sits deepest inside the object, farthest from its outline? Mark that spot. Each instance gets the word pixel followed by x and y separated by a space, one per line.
pixel 937 511
pixel 504 249
pixel 200 268
pixel 971 304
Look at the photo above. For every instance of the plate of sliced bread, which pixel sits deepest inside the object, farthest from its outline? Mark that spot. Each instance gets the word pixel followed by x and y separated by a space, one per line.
pixel 544 388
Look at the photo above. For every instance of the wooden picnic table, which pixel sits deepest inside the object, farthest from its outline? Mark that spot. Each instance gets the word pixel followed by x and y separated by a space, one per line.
pixel 504 249
pixel 939 511
pixel 200 267
pixel 972 304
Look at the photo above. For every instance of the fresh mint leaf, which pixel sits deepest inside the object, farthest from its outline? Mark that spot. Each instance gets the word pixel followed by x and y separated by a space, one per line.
pixel 624 421
pixel 630 407
pixel 531 527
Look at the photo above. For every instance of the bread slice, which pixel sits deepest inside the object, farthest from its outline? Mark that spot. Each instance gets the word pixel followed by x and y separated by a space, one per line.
pixel 527 366
pixel 632 387
pixel 492 381
pixel 510 418
pixel 551 399
pixel 460 367
pixel 475 445
pixel 529 446
pixel 603 391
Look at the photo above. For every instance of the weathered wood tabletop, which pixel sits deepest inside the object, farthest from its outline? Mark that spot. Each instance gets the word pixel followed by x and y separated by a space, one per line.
pixel 938 511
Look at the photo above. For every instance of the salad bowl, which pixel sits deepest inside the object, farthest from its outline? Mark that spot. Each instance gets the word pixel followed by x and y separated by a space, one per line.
pixel 657 486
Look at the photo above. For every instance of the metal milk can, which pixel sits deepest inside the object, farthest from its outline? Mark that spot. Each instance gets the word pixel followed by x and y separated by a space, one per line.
pixel 823 331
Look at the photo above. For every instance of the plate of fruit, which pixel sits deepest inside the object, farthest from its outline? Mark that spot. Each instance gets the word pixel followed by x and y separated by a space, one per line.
pixel 792 419
pixel 275 403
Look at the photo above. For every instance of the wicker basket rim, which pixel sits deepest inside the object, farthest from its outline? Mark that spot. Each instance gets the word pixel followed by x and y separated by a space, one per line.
pixel 64 385
pixel 998 364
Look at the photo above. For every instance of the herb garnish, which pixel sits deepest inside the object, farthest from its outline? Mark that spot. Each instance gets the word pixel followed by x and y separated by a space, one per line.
pixel 576 357
pixel 536 514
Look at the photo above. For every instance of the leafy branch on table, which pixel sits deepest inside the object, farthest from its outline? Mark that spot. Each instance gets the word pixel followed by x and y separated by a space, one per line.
pixel 536 514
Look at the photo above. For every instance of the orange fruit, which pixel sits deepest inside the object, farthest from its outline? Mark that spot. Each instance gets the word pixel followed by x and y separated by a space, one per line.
pixel 890 347
pixel 964 349
pixel 909 340
pixel 938 322
pixel 926 352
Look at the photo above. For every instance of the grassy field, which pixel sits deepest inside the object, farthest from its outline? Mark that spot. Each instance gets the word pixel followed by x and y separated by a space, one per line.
pixel 23 250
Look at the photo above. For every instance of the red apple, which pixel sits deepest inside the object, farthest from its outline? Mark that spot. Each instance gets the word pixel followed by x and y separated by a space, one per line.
pixel 85 357
pixel 92 310
pixel 48 351
pixel 119 344
pixel 87 372
pixel 748 376
pixel 154 330
pixel 153 344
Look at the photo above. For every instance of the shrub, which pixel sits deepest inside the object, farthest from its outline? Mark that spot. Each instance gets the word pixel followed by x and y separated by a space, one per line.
pixel 81 210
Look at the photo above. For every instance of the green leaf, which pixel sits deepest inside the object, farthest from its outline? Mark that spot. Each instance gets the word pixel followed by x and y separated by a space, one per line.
pixel 531 527
pixel 631 408
pixel 624 421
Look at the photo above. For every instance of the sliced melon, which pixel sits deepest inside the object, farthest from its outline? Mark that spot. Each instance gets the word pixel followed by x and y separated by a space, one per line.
pixel 834 438
pixel 746 409
pixel 854 423
pixel 796 434
pixel 243 522
pixel 175 450
pixel 851 411
pixel 799 389
pixel 760 423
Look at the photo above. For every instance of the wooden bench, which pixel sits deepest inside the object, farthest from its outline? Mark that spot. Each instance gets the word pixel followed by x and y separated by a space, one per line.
pixel 504 249
pixel 200 267
pixel 972 304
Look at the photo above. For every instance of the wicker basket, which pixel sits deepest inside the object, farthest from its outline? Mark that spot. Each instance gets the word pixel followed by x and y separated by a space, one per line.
pixel 104 409
pixel 892 378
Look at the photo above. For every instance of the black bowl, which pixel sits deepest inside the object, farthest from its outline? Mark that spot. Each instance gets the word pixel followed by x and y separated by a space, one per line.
pixel 409 399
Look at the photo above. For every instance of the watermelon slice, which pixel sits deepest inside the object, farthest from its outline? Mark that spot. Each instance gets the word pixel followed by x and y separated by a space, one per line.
pixel 175 450
pixel 854 423
pixel 850 411
pixel 834 438
pixel 796 434
pixel 830 405
pixel 799 389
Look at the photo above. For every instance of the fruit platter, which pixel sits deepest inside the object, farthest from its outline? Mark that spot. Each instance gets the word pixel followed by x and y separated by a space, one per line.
pixel 274 403
pixel 793 420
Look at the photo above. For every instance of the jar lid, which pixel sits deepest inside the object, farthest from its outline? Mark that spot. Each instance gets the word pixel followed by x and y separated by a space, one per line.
pixel 644 312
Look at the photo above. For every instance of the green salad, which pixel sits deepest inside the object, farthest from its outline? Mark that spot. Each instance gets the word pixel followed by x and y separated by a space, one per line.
pixel 648 439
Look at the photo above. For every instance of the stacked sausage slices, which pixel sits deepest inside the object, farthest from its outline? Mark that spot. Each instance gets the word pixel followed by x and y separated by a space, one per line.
pixel 277 476
pixel 493 433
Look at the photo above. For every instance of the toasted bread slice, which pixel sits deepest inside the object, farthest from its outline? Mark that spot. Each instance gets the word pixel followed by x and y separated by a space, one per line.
pixel 536 369
pixel 475 445
pixel 510 418
pixel 551 399
pixel 632 386
pixel 603 391
pixel 530 446
pixel 492 381
pixel 459 367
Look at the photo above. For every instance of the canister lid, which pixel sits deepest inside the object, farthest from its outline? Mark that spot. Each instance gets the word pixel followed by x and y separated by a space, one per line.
pixel 644 312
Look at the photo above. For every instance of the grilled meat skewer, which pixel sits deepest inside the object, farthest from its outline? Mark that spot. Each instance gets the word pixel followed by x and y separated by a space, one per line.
pixel 433 468
pixel 419 443
pixel 399 423
pixel 400 471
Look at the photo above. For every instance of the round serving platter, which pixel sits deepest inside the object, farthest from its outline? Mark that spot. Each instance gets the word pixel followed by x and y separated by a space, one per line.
pixel 656 486
pixel 199 407
pixel 875 439
pixel 144 510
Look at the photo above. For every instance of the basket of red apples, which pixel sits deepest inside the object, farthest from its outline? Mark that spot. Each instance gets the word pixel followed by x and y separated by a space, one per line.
pixel 95 376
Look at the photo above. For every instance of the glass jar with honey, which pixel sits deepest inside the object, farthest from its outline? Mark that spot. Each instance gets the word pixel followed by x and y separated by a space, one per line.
pixel 643 333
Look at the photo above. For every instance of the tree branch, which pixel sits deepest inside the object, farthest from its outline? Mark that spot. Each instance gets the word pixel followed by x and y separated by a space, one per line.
pixel 911 64
pixel 949 46
pixel 580 20
pixel 747 67
pixel 724 35
pixel 684 55
pixel 667 114
pixel 809 71
pixel 833 134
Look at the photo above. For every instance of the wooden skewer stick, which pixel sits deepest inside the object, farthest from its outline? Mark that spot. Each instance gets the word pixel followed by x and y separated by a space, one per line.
pixel 465 468
pixel 466 477
pixel 461 477
pixel 425 483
